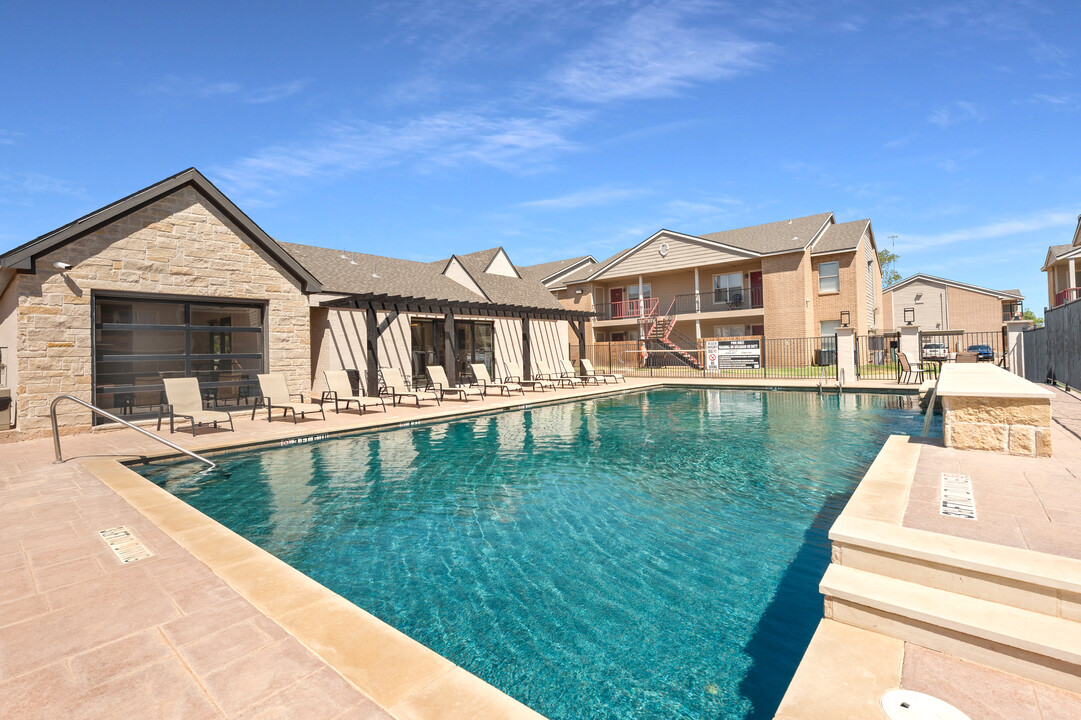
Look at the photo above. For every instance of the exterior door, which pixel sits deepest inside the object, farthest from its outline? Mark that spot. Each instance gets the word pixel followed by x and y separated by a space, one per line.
pixel 616 298
pixel 756 289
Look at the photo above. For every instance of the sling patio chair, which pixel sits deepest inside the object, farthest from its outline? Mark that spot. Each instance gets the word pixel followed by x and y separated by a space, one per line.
pixel 438 382
pixel 484 381
pixel 545 373
pixel 340 390
pixel 514 374
pixel 394 383
pixel 184 399
pixel 569 371
pixel 274 393
pixel 590 372
pixel 908 370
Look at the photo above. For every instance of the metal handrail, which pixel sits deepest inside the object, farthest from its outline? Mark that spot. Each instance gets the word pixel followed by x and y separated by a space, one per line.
pixel 99 411
pixel 930 408
pixel 840 380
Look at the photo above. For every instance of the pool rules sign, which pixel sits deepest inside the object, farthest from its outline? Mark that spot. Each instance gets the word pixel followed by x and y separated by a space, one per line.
pixel 727 354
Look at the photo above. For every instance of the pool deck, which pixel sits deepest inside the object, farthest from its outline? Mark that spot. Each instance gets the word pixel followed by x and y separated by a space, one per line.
pixel 210 626
pixel 912 591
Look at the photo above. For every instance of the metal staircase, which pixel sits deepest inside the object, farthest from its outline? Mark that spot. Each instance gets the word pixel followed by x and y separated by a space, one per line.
pixel 661 334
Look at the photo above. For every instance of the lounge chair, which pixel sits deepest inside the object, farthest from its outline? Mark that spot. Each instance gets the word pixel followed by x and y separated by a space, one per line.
pixel 569 371
pixel 545 373
pixel 514 374
pixel 437 381
pixel 341 391
pixel 909 369
pixel 589 371
pixel 274 393
pixel 484 381
pixel 394 383
pixel 184 399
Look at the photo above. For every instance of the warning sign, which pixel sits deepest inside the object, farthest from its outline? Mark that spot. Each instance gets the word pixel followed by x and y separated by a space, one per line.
pixel 727 354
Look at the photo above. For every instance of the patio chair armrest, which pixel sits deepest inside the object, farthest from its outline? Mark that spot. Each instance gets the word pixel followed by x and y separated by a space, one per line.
pixel 329 395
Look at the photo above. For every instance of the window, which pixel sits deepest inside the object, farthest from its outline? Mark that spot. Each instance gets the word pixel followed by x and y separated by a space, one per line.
pixel 632 291
pixel 728 289
pixel 829 277
pixel 138 342
pixel 634 307
pixel 476 344
pixel 729 331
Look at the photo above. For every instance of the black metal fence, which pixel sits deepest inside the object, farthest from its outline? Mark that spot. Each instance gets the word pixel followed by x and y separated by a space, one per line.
pixel 717 300
pixel 1053 353
pixel 876 356
pixel 988 346
pixel 746 357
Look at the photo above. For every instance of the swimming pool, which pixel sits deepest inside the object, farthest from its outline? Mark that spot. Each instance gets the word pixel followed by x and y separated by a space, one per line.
pixel 652 554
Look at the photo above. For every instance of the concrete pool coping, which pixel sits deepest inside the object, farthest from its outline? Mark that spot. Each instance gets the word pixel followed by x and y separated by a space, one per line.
pixel 893 590
pixel 401 675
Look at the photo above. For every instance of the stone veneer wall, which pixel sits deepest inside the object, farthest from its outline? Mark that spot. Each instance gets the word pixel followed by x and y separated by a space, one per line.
pixel 1012 426
pixel 178 245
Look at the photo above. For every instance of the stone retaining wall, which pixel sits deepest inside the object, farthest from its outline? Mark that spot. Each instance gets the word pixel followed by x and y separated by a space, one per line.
pixel 1013 426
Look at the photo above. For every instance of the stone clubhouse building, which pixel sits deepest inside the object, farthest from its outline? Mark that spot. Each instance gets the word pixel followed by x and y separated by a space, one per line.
pixel 176 281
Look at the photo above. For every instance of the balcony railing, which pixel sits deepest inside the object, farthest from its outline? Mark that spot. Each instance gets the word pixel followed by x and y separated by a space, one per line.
pixel 718 300
pixel 1013 311
pixel 630 309
pixel 1067 295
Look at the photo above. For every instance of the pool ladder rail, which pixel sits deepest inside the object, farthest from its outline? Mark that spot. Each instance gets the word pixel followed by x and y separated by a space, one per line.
pixel 114 418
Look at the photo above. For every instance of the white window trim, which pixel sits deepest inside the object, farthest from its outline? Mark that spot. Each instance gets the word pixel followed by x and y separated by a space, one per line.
pixel 822 277
pixel 646 288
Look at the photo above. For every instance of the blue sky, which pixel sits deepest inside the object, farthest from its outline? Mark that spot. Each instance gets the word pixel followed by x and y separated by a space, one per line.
pixel 417 129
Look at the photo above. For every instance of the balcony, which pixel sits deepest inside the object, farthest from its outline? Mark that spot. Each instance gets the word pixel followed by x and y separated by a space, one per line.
pixel 1067 295
pixel 1012 311
pixel 627 309
pixel 720 300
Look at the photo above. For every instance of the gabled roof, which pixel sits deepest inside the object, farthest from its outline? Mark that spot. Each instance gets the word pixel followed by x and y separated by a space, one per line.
pixel 550 273
pixel 1002 294
pixel 23 258
pixel 1057 252
pixel 776 238
pixel 349 273
pixel 841 237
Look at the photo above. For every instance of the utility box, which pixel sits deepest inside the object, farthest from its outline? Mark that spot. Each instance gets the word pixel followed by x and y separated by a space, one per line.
pixel 5 409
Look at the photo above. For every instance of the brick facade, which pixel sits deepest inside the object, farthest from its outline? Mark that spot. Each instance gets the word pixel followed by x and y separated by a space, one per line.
pixel 180 246
pixel 786 288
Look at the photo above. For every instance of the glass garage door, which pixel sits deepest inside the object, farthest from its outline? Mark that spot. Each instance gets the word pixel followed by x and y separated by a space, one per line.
pixel 140 341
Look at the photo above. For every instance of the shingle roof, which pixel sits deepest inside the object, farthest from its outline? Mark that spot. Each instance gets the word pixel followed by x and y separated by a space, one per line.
pixel 359 273
pixel 770 238
pixel 1058 251
pixel 543 270
pixel 841 237
pixel 775 237
pixel 1006 294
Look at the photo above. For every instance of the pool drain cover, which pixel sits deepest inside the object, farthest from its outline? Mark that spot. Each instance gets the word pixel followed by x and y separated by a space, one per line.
pixel 912 705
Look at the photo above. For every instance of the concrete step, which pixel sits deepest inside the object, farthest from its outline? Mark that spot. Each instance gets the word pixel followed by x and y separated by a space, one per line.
pixel 1027 580
pixel 1030 644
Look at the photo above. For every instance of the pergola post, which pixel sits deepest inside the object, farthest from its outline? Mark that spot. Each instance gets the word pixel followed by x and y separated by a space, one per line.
pixel 580 330
pixel 372 326
pixel 527 373
pixel 450 347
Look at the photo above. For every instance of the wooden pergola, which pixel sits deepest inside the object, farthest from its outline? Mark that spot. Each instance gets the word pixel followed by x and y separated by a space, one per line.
pixel 394 305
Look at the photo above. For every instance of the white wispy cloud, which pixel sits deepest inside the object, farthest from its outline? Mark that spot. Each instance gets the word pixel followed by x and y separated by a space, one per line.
pixel 955 114
pixel 585 198
pixel 199 88
pixel 8 138
pixel 999 229
pixel 439 139
pixel 1061 101
pixel 657 52
pixel 20 183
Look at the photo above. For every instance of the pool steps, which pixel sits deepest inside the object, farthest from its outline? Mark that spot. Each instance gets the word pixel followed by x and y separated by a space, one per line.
pixel 1012 609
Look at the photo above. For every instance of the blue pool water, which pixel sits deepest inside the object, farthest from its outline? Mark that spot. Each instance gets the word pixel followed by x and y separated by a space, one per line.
pixel 654 554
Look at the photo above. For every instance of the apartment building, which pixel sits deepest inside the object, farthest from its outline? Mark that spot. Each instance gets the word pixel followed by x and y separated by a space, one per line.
pixel 948 305
pixel 787 279
pixel 1063 267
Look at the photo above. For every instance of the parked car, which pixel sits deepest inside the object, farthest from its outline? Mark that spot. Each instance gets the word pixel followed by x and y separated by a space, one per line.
pixel 935 351
pixel 983 352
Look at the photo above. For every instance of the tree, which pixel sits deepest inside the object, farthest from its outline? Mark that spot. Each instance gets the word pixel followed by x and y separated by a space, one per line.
pixel 1031 317
pixel 888 261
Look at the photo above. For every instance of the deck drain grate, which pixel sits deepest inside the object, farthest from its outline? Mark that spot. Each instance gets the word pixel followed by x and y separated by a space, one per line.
pixel 123 542
pixel 957 498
